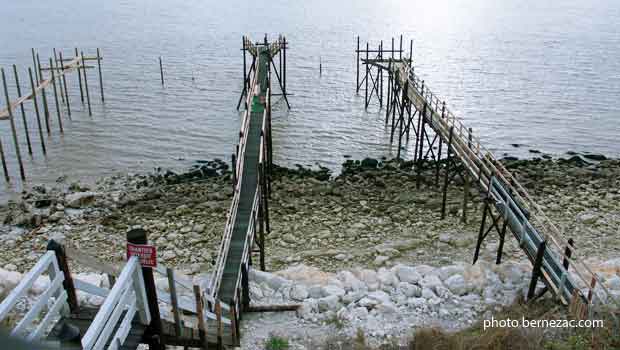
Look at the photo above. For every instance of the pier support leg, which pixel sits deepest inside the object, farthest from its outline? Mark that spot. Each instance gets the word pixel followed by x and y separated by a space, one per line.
pixel 446 175
pixel 36 110
pixel 100 74
pixel 421 136
pixel 21 106
pixel 79 78
pixel 56 97
pixel 64 82
pixel 500 248
pixel 90 113
pixel 482 230
pixel 13 130
pixel 536 271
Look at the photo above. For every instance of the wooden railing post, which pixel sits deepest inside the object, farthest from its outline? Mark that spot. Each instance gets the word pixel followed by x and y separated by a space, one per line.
pixel 202 329
pixel 154 331
pixel 218 316
pixel 175 304
pixel 67 284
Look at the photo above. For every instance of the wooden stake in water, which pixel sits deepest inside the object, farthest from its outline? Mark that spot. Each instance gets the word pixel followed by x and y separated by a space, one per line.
pixel 13 130
pixel 56 97
pixel 36 109
pixel 64 82
pixel 21 105
pixel 6 171
pixel 44 97
pixel 80 78
pixel 62 95
pixel 161 71
pixel 34 63
pixel 100 75
pixel 86 85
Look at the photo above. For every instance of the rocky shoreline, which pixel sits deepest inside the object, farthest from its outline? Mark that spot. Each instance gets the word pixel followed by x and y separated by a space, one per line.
pixel 370 217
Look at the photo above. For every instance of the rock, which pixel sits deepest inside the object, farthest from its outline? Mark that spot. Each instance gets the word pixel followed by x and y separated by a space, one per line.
pixel 613 282
pixel 448 271
pixel 169 255
pixel 430 282
pixel 328 303
pixel 57 216
pixel 358 313
pixel 597 157
pixel 79 199
pixel 316 292
pixel 387 308
pixel 350 282
pixel 587 218
pixel 409 290
pixel 10 267
pixel 424 270
pixel 369 163
pixel 298 292
pixel 428 294
pixel 407 274
pixel 456 284
pixel 387 277
pixel 273 281
pixel 380 260
pixel 330 290
pixel 379 296
pixel 308 309
pixel 369 277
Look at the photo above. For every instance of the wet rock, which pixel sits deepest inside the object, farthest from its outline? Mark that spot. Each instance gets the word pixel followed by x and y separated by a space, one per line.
pixel 79 199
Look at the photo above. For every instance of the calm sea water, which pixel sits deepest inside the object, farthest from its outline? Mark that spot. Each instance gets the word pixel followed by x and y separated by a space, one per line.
pixel 544 74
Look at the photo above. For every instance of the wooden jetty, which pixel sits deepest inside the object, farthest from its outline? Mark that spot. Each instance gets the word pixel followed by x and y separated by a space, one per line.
pixel 134 310
pixel 42 78
pixel 444 142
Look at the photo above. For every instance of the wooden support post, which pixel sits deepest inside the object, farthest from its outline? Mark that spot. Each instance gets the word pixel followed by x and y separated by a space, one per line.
pixel 34 64
pixel 13 130
pixel 7 178
pixel 56 65
pixel 36 110
pixel 446 175
pixel 244 63
pixel 402 116
pixel 284 67
pixel 61 258
pixel 388 103
pixel 411 52
pixel 400 52
pixel 218 316
pixel 466 183
pixel 233 323
pixel 245 288
pixel 482 227
pixel 46 111
pixel 86 84
pixel 366 77
pixel 357 80
pixel 56 96
pixel 175 303
pixel 438 163
pixel 64 82
pixel 161 71
pixel 536 271
pixel 568 253
pixel 155 341
pixel 500 248
pixel 380 84
pixel 21 106
pixel 100 74
pixel 234 170
pixel 202 329
pixel 421 138
pixel 80 77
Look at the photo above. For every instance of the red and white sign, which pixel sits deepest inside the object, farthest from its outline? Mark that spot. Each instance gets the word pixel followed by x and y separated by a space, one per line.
pixel 146 253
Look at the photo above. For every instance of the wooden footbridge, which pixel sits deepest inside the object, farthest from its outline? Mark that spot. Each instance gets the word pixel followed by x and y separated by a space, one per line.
pixel 134 309
pixel 412 108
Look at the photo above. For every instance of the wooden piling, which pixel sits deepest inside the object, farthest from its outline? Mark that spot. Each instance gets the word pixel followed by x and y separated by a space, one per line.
pixel 6 171
pixel 21 106
pixel 366 78
pixel 90 113
pixel 421 137
pixel 485 210
pixel 161 71
pixel 447 174
pixel 13 130
pixel 79 77
pixel 284 66
pixel 36 110
pixel 400 51
pixel 500 247
pixel 100 74
pixel 46 111
pixel 155 341
pixel 536 270
pixel 62 89
pixel 245 74
pixel 34 64
pixel 56 97
pixel 357 80
pixel 64 81
pixel 233 322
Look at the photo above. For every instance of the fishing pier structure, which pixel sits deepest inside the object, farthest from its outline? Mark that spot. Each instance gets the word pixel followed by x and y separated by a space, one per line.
pixel 44 77
pixel 444 146
pixel 134 308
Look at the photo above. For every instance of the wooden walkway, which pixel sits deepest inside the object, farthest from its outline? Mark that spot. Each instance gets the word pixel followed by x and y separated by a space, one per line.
pixel 555 260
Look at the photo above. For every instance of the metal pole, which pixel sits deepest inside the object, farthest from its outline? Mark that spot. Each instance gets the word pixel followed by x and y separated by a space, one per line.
pixel 56 97
pixel 36 109
pixel 86 85
pixel 13 130
pixel 21 106
pixel 100 75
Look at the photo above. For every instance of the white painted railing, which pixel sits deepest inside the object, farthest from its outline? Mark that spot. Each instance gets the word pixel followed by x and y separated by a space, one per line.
pixel 54 291
pixel 128 296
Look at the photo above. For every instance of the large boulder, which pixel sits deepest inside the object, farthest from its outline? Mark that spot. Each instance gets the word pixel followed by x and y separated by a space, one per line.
pixel 273 281
pixel 298 292
pixel 456 284
pixel 329 303
pixel 431 282
pixel 407 274
pixel 79 199
pixel 387 277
